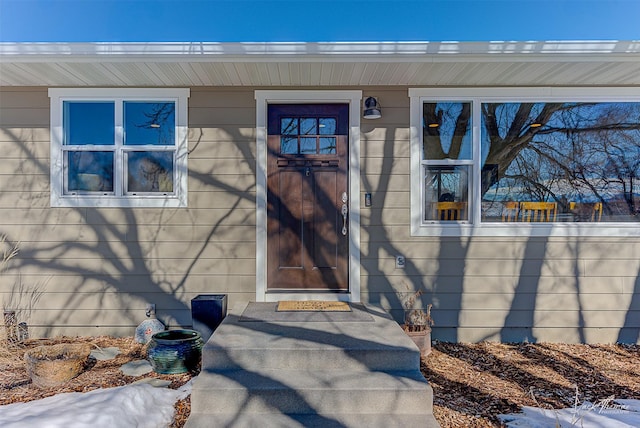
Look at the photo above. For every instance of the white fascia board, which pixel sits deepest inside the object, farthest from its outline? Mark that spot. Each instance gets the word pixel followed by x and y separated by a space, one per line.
pixel 562 51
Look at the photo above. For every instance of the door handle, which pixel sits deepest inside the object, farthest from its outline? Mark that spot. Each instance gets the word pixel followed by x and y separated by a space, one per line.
pixel 345 211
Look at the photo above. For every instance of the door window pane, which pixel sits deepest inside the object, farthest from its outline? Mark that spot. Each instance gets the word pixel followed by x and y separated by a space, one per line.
pixel 327 125
pixel 289 145
pixel 447 130
pixel 328 145
pixel 88 123
pixel 289 126
pixel 308 126
pixel 150 172
pixel 308 145
pixel 89 171
pixel 148 123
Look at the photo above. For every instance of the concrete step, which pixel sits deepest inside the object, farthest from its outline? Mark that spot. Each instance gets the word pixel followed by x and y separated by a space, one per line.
pixel 311 392
pixel 286 353
pixel 278 420
pixel 362 346
pixel 270 369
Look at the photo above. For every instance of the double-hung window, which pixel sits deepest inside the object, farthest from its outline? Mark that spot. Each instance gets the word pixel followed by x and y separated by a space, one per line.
pixel 119 147
pixel 525 161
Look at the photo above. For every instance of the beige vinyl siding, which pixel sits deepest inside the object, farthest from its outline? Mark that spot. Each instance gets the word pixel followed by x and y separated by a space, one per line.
pixel 93 270
pixel 486 288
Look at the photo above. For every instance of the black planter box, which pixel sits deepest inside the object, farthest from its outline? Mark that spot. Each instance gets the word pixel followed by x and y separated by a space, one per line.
pixel 207 312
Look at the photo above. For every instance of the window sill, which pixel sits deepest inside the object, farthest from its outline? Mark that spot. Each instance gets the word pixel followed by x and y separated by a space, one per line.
pixel 115 202
pixel 529 230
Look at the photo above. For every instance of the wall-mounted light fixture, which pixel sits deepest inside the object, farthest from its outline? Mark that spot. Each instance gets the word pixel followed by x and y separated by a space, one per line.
pixel 371 109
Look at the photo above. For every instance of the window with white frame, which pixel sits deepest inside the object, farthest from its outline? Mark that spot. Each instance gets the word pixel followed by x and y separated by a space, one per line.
pixel 562 161
pixel 447 161
pixel 119 147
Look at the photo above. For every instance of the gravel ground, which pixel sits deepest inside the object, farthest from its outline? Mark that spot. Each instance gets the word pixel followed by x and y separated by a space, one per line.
pixel 472 383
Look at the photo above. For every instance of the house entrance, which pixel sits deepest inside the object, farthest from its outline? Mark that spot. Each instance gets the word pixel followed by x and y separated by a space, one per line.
pixel 307 197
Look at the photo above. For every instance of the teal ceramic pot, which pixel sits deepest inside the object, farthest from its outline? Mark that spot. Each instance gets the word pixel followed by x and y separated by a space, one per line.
pixel 175 351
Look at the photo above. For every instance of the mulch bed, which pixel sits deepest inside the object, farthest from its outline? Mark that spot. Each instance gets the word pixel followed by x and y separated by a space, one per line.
pixel 16 386
pixel 472 383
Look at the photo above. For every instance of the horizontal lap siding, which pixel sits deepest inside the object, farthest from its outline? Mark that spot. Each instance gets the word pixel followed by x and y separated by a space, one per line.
pixel 484 288
pixel 92 271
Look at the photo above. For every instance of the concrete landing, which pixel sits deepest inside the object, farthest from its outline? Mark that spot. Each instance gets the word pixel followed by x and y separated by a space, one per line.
pixel 322 369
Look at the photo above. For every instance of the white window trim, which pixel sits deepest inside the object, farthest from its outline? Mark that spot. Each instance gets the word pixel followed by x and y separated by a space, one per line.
pixel 178 95
pixel 478 95
pixel 263 99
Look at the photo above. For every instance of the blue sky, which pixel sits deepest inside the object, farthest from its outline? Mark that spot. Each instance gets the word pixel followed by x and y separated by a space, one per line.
pixel 317 20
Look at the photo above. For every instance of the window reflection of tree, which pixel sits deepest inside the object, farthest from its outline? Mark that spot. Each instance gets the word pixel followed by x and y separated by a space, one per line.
pixel 452 120
pixel 302 135
pixel 150 175
pixel 157 118
pixel 289 135
pixel 91 171
pixel 585 152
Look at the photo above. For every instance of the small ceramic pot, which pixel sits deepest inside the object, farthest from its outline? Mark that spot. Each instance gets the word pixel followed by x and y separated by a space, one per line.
pixel 175 351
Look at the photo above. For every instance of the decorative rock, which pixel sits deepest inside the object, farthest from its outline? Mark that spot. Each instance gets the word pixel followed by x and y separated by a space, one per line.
pixel 148 328
pixel 103 354
pixel 153 381
pixel 136 368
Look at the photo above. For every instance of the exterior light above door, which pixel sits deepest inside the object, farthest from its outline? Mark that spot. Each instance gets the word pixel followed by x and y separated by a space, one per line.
pixel 371 109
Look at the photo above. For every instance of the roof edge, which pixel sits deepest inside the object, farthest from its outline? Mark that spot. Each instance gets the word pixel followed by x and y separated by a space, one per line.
pixel 396 51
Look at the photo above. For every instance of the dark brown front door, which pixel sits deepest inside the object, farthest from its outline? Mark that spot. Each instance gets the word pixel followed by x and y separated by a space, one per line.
pixel 308 197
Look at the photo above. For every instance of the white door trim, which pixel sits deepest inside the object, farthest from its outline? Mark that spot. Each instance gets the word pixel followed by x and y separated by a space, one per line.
pixel 263 99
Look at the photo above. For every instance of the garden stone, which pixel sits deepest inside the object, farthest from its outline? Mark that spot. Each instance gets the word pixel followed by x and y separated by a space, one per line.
pixel 153 381
pixel 136 368
pixel 103 354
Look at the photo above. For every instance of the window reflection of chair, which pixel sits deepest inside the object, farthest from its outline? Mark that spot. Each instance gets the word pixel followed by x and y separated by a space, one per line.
pixel 584 211
pixel 510 211
pixel 538 211
pixel 451 211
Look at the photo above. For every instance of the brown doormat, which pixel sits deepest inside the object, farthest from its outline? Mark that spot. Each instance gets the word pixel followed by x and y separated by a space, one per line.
pixel 312 305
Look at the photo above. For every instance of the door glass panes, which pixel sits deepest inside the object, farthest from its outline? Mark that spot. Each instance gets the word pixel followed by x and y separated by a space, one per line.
pixel 89 171
pixel 327 125
pixel 150 172
pixel 446 193
pixel 88 123
pixel 327 145
pixel 288 145
pixel 307 145
pixel 308 126
pixel 447 130
pixel 147 123
pixel 577 160
pixel 308 135
pixel 289 126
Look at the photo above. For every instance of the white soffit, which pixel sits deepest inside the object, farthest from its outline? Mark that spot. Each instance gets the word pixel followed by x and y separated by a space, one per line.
pixel 607 63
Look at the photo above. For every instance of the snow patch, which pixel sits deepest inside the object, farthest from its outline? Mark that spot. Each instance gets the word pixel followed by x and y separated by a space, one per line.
pixel 134 406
